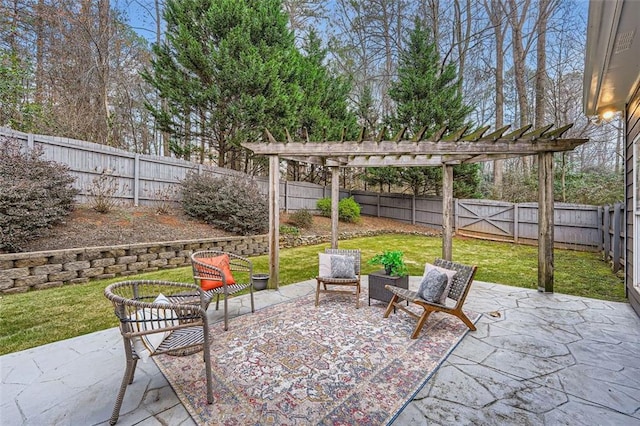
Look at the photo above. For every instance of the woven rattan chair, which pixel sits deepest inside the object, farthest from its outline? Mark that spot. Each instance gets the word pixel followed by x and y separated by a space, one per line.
pixel 204 272
pixel 326 284
pixel 459 288
pixel 152 324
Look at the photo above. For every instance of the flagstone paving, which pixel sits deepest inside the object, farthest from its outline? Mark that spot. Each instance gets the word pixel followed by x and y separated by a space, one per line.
pixel 536 359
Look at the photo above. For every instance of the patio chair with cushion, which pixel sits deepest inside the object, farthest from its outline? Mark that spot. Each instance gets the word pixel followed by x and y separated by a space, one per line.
pixel 158 317
pixel 222 273
pixel 339 268
pixel 444 279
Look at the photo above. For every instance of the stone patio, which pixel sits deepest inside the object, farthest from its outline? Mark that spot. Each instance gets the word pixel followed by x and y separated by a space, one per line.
pixel 536 359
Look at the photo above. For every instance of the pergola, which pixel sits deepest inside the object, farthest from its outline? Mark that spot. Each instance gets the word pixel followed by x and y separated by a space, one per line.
pixel 444 149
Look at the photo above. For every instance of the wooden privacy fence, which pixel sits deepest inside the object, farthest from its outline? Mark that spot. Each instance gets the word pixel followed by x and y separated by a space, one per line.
pixel 148 179
pixel 576 226
pixel 132 178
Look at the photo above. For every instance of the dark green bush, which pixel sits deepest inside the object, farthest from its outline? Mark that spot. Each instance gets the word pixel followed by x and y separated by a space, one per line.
pixel 301 219
pixel 34 194
pixel 348 209
pixel 230 203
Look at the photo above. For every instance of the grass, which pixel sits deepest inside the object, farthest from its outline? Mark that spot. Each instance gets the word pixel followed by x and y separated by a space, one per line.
pixel 39 317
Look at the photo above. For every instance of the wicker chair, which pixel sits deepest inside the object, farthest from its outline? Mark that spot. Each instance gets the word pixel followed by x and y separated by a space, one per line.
pixel 159 317
pixel 323 281
pixel 460 287
pixel 205 272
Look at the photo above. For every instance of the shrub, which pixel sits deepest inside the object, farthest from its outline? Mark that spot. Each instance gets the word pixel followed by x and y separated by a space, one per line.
pixel 348 209
pixel 301 219
pixel 103 191
pixel 34 194
pixel 289 230
pixel 324 205
pixel 230 203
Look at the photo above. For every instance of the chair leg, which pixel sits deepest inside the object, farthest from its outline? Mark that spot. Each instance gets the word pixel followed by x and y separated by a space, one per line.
pixel 217 300
pixel 358 296
pixel 128 375
pixel 318 292
pixel 226 320
pixel 251 291
pixel 207 365
pixel 421 321
pixel 392 304
pixel 133 370
pixel 465 319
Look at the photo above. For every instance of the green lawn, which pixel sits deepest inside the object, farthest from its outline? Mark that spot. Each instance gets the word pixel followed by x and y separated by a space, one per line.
pixel 39 317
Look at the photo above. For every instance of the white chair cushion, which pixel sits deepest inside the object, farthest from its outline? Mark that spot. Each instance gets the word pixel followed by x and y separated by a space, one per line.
pixel 147 344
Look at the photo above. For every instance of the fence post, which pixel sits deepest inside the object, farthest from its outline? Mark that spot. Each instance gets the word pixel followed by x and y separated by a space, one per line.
pixel 600 231
pixel 516 223
pixel 286 196
pixel 413 209
pixel 606 234
pixel 456 216
pixel 30 141
pixel 617 214
pixel 136 180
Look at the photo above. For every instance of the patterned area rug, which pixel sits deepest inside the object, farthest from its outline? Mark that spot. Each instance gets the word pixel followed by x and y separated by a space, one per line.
pixel 295 364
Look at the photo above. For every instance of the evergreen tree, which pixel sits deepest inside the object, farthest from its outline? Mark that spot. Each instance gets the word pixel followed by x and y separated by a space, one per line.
pixel 227 71
pixel 324 112
pixel 427 94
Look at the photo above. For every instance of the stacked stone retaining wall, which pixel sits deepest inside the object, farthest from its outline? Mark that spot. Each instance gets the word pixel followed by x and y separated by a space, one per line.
pixel 21 272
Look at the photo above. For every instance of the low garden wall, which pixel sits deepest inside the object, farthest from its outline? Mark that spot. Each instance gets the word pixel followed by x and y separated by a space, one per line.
pixel 21 272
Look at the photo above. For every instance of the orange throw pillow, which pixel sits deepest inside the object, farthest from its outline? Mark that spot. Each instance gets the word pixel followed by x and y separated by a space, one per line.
pixel 221 262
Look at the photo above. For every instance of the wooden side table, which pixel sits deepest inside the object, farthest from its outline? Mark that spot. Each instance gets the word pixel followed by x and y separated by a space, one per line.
pixel 378 280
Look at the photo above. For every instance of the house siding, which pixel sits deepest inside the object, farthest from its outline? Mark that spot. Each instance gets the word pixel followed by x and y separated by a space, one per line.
pixel 632 114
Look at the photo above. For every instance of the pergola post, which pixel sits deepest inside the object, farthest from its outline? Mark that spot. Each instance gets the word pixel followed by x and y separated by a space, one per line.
pixel 447 212
pixel 274 221
pixel 335 199
pixel 545 222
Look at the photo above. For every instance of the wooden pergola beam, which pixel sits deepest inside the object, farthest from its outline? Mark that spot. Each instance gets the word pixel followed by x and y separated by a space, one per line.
pixel 372 148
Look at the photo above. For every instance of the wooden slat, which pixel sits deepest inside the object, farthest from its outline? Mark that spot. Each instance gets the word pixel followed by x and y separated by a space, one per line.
pixel 437 136
pixel 455 136
pixel 383 134
pixel 398 137
pixel 363 133
pixel 535 134
pixel 474 136
pixel 497 134
pixel 420 134
pixel 270 137
pixel 516 134
pixel 554 134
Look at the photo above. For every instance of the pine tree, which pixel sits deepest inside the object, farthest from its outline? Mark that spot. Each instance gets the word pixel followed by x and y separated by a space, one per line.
pixel 324 112
pixel 427 94
pixel 227 70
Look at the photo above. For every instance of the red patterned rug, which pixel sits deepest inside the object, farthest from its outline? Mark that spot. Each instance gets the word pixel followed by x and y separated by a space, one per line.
pixel 294 364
